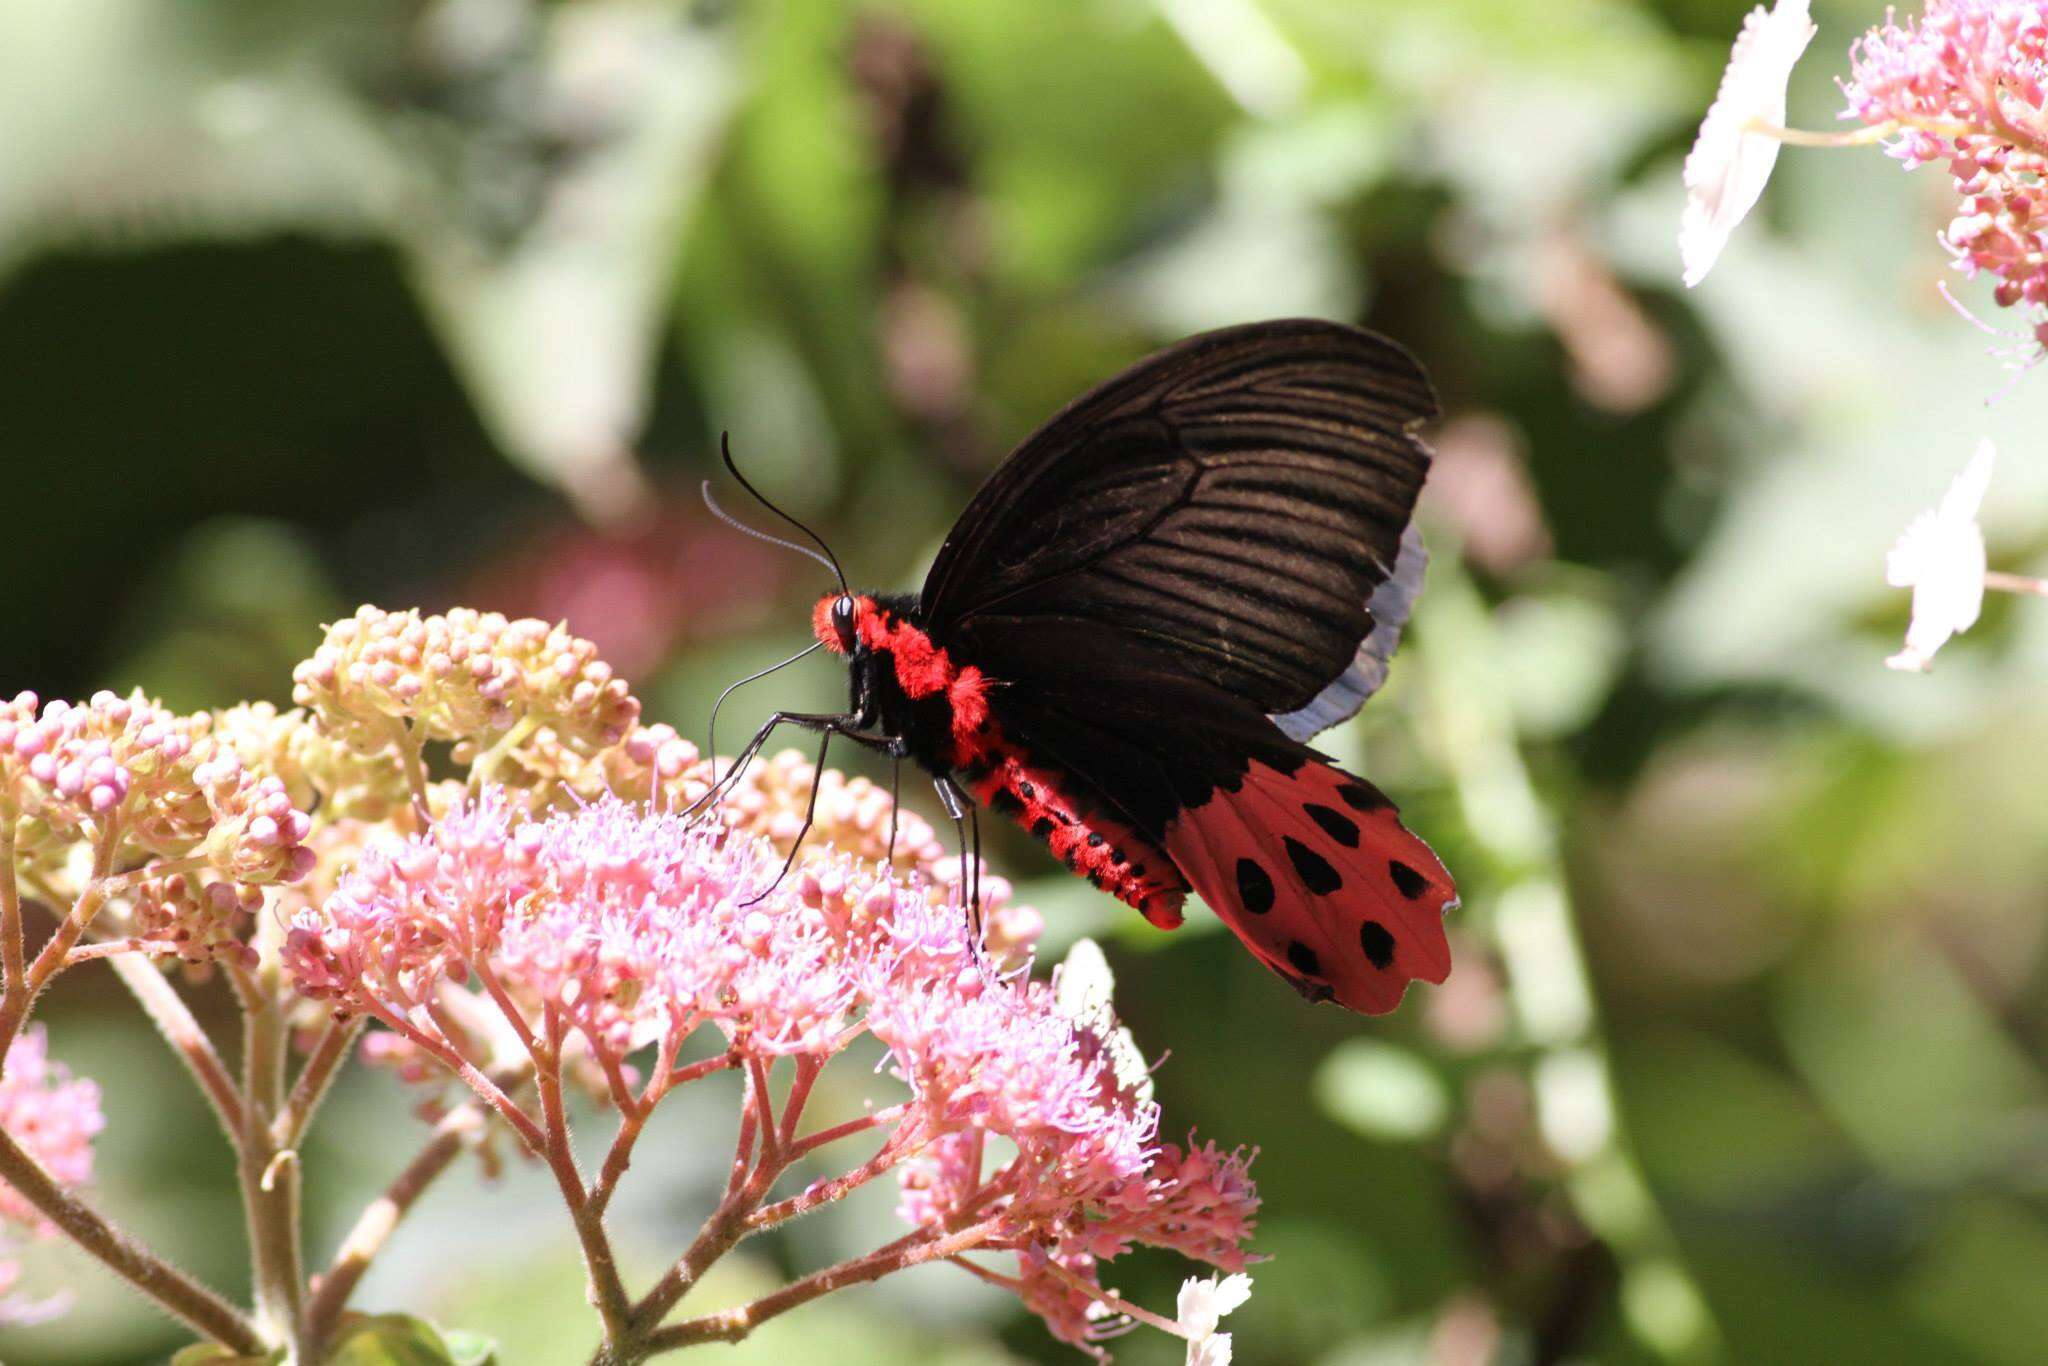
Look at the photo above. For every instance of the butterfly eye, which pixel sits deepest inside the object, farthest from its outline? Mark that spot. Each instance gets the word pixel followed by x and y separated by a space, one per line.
pixel 842 622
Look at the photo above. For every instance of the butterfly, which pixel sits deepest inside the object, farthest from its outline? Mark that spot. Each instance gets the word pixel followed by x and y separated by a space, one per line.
pixel 1131 633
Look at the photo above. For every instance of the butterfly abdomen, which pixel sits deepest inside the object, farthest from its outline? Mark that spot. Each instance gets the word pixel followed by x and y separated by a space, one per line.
pixel 1092 843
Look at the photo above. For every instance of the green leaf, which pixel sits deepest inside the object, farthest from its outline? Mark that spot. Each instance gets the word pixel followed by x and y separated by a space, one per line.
pixel 470 1349
pixel 213 1354
pixel 402 1340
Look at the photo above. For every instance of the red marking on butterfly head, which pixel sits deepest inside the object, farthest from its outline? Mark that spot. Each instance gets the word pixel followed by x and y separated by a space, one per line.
pixel 838 618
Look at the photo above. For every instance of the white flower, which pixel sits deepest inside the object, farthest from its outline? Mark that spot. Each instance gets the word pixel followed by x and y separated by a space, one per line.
pixel 1941 558
pixel 1082 986
pixel 1725 174
pixel 1202 1305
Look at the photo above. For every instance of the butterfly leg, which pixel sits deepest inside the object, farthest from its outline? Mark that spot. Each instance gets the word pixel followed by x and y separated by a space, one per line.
pixel 810 816
pixel 822 721
pixel 974 863
pixel 895 804
pixel 958 808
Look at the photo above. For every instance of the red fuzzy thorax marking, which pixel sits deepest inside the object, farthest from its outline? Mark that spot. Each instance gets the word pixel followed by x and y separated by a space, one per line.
pixel 923 669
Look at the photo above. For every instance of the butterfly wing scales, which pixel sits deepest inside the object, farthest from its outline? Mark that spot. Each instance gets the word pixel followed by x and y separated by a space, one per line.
pixel 1212 782
pixel 1230 504
pixel 1180 577
pixel 1314 871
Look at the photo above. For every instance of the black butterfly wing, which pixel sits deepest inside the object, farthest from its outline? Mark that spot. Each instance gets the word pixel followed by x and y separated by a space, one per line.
pixel 1230 504
pixel 1308 865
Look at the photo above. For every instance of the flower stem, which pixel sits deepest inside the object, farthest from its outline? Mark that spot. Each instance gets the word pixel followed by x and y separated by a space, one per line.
pixel 749 1180
pixel 174 1020
pixel 13 957
pixel 415 771
pixel 269 1173
pixel 824 1192
pixel 812 1142
pixel 114 948
pixel 171 1289
pixel 23 986
pixel 485 1088
pixel 600 1264
pixel 1112 1300
pixel 731 1325
pixel 1801 137
pixel 485 766
pixel 2015 583
pixel 315 1078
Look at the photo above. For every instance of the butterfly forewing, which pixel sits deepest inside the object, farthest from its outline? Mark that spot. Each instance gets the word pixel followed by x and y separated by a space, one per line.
pixel 1230 503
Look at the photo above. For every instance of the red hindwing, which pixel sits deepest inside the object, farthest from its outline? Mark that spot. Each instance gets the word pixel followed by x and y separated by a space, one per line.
pixel 1314 871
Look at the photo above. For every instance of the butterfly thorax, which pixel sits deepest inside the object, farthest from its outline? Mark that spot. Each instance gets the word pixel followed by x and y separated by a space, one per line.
pixel 908 688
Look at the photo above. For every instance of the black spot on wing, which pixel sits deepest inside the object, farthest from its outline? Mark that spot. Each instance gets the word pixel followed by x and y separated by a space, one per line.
pixel 1254 886
pixel 1378 944
pixel 1335 824
pixel 1363 796
pixel 1410 883
pixel 1304 959
pixel 1314 871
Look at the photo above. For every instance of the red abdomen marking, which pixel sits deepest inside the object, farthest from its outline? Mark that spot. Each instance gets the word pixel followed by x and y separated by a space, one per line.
pixel 1099 847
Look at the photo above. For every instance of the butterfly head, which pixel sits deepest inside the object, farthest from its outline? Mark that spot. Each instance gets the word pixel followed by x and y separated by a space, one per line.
pixel 837 621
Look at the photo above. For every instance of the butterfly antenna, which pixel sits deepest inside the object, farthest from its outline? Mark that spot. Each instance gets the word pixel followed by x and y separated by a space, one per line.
pixel 828 559
pixel 737 525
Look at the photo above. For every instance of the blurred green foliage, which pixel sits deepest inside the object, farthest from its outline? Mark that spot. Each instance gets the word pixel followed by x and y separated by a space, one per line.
pixel 307 304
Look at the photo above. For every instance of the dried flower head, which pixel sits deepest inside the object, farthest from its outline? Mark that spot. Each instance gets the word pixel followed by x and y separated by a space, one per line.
pixel 202 920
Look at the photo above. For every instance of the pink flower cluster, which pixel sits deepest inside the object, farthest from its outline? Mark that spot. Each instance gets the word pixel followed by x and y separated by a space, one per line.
pixel 162 781
pixel 461 676
pixel 620 926
pixel 52 1115
pixel 1965 84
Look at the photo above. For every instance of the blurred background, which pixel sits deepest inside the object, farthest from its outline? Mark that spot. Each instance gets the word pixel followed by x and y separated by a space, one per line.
pixel 306 304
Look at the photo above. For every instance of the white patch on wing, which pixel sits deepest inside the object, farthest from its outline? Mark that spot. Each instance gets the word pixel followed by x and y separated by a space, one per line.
pixel 1390 605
